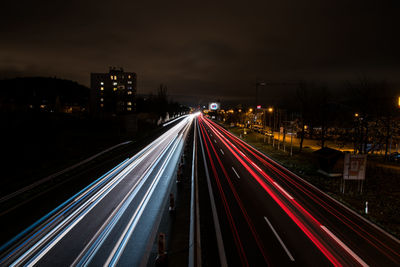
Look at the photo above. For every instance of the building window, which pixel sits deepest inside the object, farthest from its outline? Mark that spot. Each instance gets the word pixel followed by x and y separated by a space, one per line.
pixel 115 88
pixel 129 76
pixel 102 88
pixel 102 105
pixel 115 83
pixel 112 77
pixel 130 87
pixel 129 82
pixel 129 109
pixel 101 99
pixel 101 83
pixel 129 92
pixel 129 103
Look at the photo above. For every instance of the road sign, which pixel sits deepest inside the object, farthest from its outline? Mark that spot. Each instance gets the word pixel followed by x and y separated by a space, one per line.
pixel 354 166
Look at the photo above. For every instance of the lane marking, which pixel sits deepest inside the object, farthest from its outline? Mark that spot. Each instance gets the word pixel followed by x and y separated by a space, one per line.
pixel 220 243
pixel 215 141
pixel 283 190
pixel 222 152
pixel 236 173
pixel 279 239
pixel 348 250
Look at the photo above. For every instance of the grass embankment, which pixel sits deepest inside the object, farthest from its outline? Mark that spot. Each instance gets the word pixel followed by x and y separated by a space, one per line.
pixel 381 187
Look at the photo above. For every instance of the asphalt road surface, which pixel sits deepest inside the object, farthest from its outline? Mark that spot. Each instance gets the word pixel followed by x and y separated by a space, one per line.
pixel 112 221
pixel 268 216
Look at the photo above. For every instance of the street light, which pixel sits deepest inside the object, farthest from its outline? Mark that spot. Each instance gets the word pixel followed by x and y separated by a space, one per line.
pixel 250 110
pixel 270 110
pixel 356 115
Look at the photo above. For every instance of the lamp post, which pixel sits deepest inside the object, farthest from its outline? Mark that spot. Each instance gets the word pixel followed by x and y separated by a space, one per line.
pixel 270 110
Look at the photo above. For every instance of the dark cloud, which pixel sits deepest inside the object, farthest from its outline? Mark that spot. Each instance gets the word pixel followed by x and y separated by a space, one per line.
pixel 202 50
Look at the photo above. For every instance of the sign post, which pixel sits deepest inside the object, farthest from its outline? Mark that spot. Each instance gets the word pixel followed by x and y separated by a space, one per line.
pixel 354 169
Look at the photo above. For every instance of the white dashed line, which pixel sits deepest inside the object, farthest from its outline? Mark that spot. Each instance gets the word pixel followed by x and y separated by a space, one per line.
pixel 354 255
pixel 222 152
pixel 235 172
pixel 279 239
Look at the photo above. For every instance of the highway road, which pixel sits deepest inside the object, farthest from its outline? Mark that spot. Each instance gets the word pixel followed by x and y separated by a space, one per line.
pixel 113 221
pixel 268 216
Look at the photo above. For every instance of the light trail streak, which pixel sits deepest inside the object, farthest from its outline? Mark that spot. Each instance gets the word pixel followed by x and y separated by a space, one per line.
pixel 363 233
pixel 237 198
pixel 103 185
pixel 299 223
pixel 124 238
pixel 232 224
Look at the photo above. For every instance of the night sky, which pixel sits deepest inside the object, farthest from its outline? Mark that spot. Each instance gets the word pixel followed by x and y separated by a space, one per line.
pixel 203 50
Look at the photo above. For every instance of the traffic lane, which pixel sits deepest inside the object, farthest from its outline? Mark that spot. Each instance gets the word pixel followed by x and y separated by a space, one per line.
pixel 318 241
pixel 237 235
pixel 45 228
pixel 140 243
pixel 71 245
pixel 370 244
pixel 259 205
pixel 355 233
pixel 141 217
pixel 321 236
pixel 74 241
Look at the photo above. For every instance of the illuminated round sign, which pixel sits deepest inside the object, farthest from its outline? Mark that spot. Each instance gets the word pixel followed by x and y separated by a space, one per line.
pixel 213 106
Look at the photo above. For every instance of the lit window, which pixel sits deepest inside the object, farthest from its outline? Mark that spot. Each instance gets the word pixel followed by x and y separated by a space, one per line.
pixel 115 83
pixel 129 92
pixel 102 88
pixel 130 87
pixel 129 82
pixel 129 76
pixel 101 99
pixel 129 103
pixel 102 105
pixel 101 83
pixel 112 77
pixel 115 77
pixel 115 88
pixel 129 109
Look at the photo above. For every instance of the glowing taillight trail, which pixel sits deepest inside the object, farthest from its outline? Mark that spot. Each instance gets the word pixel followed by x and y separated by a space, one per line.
pixel 232 224
pixel 244 212
pixel 367 236
pixel 277 199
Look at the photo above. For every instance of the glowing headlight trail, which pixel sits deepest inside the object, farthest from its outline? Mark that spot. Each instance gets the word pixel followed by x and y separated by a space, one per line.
pixel 96 244
pixel 82 203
